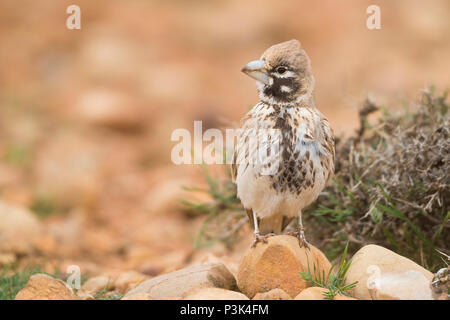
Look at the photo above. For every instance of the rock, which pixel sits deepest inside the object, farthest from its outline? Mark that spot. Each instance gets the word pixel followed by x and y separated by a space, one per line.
pixel 343 297
pixel 317 293
pixel 178 283
pixel 83 295
pixel 43 287
pixel 114 57
pixel 277 265
pixel 18 228
pixel 7 258
pixel 110 108
pixel 202 257
pixel 157 264
pixel 144 297
pixel 96 284
pixel 440 284
pixel 409 285
pixel 127 280
pixel 372 261
pixel 274 294
pixel 165 196
pixel 214 294
pixel 68 170
pixel 312 293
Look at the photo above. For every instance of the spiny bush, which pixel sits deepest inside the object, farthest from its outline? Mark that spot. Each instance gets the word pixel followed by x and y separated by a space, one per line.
pixel 392 183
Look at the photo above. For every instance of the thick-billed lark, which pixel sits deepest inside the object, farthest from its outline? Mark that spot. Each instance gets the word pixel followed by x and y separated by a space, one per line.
pixel 284 155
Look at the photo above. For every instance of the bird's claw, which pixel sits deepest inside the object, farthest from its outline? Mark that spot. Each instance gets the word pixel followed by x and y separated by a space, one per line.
pixel 302 240
pixel 258 238
pixel 300 235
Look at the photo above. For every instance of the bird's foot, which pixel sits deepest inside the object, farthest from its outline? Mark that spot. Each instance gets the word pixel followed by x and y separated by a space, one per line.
pixel 300 235
pixel 302 240
pixel 258 238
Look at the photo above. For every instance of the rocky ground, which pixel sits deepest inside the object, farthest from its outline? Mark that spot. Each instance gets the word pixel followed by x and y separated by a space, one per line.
pixel 268 272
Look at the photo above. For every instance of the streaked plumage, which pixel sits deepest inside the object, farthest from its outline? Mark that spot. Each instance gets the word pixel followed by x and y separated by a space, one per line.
pixel 284 155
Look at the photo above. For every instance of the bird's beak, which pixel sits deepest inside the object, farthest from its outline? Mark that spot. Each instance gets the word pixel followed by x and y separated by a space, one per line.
pixel 256 70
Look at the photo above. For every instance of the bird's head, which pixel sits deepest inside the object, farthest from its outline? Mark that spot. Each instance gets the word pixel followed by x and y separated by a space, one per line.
pixel 283 74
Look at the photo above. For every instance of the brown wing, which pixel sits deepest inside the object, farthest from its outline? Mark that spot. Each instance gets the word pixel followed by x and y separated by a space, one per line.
pixel 234 167
pixel 327 142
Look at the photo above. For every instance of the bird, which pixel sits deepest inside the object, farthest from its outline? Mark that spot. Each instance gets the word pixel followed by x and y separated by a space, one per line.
pixel 284 152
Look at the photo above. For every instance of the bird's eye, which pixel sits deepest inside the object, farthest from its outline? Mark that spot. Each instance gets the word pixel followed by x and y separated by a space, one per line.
pixel 281 70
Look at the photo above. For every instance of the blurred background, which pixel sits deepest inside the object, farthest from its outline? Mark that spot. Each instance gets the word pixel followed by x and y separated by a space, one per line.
pixel 86 115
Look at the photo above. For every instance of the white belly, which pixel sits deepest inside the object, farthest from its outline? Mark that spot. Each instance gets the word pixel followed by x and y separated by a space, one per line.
pixel 256 193
pixel 278 182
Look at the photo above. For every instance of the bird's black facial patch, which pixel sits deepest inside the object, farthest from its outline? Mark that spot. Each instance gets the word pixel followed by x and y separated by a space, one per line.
pixel 283 89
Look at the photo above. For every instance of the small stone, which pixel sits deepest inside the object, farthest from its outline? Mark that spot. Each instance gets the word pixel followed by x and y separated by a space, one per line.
pixel 372 261
pixel 96 284
pixel 128 280
pixel 409 285
pixel 165 197
pixel 109 108
pixel 277 265
pixel 18 228
pixel 214 294
pixel 274 294
pixel 313 293
pixel 178 283
pixel 43 287
pixel 343 297
pixel 440 284
pixel 83 295
pixel 144 297
pixel 7 258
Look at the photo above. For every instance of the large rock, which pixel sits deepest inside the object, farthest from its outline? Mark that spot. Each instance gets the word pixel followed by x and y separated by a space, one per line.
pixel 128 280
pixel 18 228
pixel 409 285
pixel 277 265
pixel 274 294
pixel 372 261
pixel 43 287
pixel 96 284
pixel 317 293
pixel 214 294
pixel 179 283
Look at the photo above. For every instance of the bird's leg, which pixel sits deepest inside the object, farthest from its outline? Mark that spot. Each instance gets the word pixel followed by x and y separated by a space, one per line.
pixel 256 237
pixel 301 233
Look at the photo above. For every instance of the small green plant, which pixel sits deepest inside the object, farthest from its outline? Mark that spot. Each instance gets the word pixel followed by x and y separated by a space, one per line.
pixel 18 155
pixel 334 281
pixel 225 215
pixel 11 282
pixel 43 206
pixel 102 295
